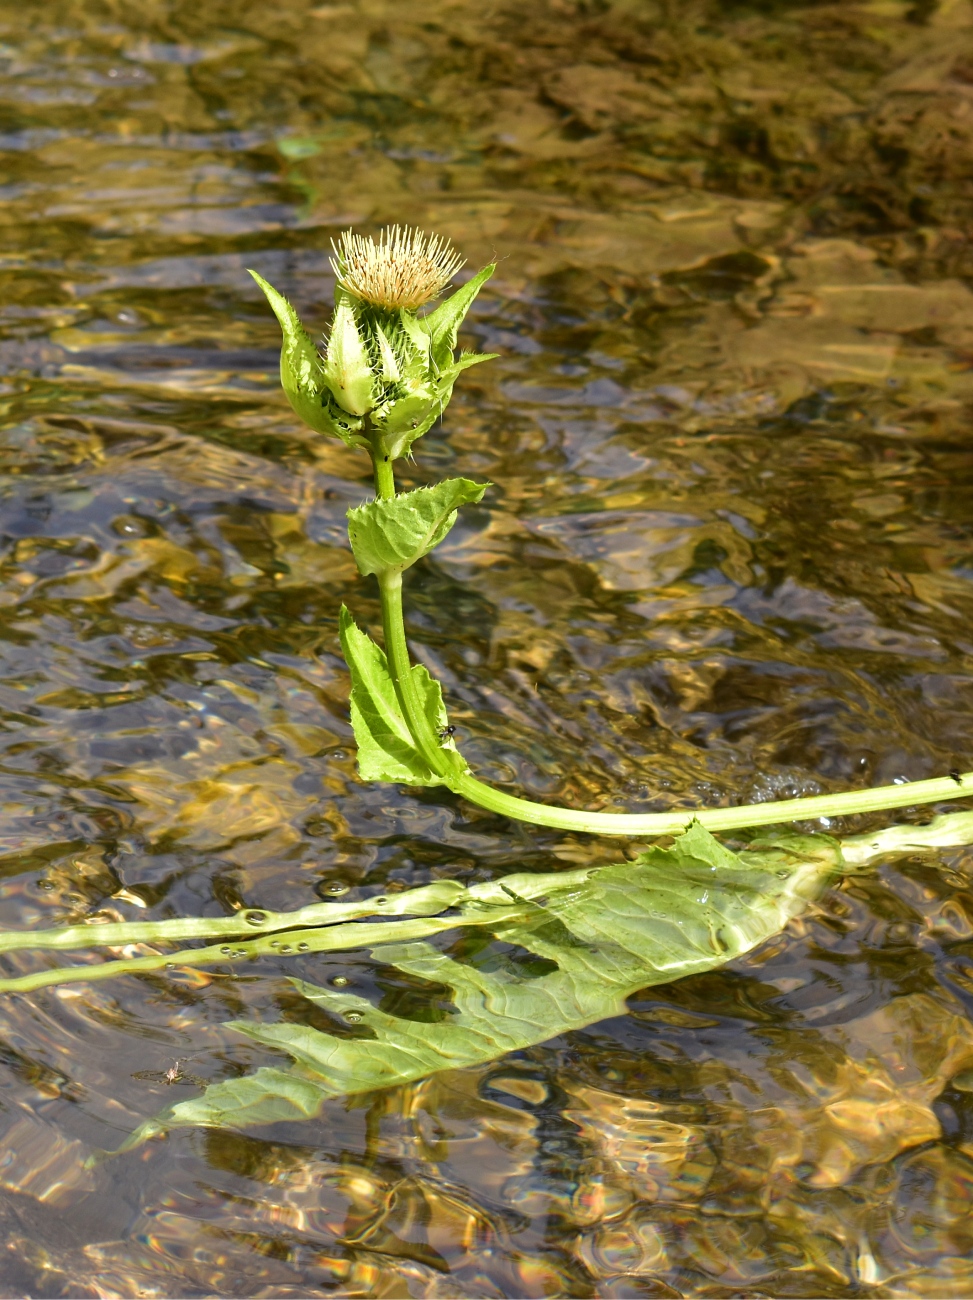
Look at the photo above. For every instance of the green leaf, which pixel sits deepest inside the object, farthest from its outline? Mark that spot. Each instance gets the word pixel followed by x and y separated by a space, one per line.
pixel 302 375
pixel 267 1096
pixel 604 933
pixel 390 535
pixel 296 147
pixel 418 335
pixel 469 359
pixel 443 324
pixel 386 750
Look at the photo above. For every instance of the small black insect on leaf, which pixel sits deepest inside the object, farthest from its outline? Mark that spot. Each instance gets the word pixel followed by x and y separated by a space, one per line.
pixel 956 776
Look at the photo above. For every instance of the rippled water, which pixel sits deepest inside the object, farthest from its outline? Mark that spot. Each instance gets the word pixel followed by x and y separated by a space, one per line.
pixel 727 556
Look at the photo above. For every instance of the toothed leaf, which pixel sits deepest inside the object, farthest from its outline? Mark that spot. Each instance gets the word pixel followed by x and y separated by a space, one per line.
pixel 603 933
pixel 386 750
pixel 391 535
pixel 443 324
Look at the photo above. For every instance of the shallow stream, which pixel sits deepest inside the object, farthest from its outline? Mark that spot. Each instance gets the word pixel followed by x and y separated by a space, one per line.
pixel 728 555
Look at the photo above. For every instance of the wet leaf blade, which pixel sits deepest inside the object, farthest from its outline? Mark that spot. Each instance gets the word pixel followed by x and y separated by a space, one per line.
pixel 267 1096
pixel 604 934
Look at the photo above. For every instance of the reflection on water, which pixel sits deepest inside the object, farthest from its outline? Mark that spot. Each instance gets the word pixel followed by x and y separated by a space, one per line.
pixel 727 556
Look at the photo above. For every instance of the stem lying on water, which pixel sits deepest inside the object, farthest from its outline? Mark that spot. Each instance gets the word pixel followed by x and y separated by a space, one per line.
pixel 426 900
pixel 416 914
pixel 878 799
pixel 845 804
pixel 335 938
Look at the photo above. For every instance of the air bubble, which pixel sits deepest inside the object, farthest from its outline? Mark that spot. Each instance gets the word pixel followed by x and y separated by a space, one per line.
pixel 335 888
pixel 226 951
pixel 303 947
pixel 256 918
pixel 353 1017
pixel 340 981
pixel 285 947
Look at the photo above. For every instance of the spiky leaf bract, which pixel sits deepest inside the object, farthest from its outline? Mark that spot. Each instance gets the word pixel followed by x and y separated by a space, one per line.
pixel 444 323
pixel 302 375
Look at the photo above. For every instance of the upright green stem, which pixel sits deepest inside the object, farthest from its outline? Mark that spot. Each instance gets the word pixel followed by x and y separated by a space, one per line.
pixel 632 824
pixel 400 666
pixel 384 476
pixel 396 647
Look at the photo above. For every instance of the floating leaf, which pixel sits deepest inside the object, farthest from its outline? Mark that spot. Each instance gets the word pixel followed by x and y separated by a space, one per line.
pixel 391 535
pixel 601 934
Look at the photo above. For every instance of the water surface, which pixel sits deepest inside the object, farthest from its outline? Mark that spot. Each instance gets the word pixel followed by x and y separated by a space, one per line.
pixel 728 555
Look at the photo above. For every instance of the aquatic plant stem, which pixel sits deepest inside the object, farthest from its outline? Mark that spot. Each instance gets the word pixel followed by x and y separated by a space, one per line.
pixel 335 938
pixel 770 813
pixel 845 804
pixel 400 667
pixel 393 628
pixel 415 914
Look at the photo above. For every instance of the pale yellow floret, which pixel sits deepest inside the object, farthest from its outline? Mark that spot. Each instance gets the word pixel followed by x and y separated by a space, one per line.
pixel 406 268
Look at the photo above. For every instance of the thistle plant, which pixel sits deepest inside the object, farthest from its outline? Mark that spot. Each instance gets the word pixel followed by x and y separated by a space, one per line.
pixel 386 376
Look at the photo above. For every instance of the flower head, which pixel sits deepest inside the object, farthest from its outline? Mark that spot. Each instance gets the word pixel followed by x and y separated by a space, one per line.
pixel 406 268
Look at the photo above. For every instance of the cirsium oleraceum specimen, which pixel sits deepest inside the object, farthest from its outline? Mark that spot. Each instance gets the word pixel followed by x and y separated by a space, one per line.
pixel 387 373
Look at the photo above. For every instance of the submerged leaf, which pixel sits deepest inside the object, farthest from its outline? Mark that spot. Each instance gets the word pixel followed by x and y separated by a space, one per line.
pixel 391 535
pixel 267 1096
pixel 602 934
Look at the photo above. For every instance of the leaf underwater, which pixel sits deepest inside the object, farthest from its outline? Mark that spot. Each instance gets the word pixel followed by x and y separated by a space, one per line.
pixel 602 934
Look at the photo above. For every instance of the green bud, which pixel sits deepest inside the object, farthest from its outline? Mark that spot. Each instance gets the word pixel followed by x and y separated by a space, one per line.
pixel 389 362
pixel 347 368
pixel 383 361
pixel 401 421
